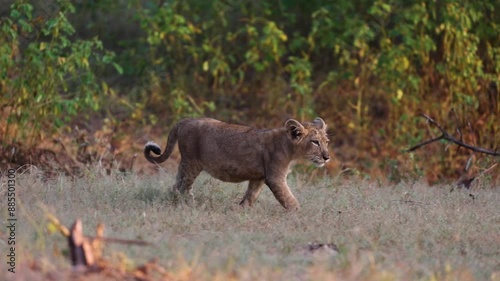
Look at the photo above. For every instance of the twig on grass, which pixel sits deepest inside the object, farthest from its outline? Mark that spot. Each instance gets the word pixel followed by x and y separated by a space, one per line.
pixel 446 136
pixel 100 229
pixel 86 251
pixel 120 241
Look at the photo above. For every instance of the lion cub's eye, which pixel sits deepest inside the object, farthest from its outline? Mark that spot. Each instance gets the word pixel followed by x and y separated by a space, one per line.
pixel 315 142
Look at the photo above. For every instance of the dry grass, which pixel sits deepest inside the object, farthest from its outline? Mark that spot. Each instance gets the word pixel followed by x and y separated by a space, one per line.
pixel 403 232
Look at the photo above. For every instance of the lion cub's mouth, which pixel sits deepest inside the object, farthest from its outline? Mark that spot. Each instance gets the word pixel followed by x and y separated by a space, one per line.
pixel 319 165
pixel 318 162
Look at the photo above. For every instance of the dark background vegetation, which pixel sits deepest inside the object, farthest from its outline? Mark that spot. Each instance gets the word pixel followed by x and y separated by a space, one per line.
pixel 369 68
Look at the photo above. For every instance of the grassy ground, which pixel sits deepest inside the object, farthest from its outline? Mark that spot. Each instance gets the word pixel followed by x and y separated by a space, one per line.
pixel 403 232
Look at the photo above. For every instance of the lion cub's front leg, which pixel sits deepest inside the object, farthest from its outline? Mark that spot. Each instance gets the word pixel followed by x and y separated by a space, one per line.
pixel 282 192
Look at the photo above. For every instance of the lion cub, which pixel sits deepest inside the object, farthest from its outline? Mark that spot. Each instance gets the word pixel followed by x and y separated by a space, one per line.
pixel 235 153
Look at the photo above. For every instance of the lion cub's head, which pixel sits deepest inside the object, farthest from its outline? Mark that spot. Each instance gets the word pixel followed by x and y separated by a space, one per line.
pixel 310 140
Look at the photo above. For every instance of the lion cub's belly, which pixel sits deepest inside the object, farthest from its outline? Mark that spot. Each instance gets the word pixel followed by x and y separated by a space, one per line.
pixel 232 172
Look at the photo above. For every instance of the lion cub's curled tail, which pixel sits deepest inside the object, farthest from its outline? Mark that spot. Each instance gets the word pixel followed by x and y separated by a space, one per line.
pixel 153 147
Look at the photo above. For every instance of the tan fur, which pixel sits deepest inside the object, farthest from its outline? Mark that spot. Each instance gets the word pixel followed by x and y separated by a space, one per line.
pixel 235 153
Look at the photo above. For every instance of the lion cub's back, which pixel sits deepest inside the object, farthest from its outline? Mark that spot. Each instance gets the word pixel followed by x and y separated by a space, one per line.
pixel 206 135
pixel 208 127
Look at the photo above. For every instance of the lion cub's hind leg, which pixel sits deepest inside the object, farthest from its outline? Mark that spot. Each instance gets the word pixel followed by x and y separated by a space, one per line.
pixel 186 175
pixel 253 191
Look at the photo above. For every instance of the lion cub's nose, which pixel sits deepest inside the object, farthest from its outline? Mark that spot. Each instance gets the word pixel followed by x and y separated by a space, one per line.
pixel 326 157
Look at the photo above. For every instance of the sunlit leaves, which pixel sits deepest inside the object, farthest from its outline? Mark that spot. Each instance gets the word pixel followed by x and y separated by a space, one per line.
pixel 48 76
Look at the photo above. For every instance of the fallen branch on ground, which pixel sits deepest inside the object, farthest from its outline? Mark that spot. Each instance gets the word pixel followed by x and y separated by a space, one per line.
pixel 86 251
pixel 446 136
pixel 86 255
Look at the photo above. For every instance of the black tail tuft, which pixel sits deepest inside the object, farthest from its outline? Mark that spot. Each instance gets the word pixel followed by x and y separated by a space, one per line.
pixel 153 147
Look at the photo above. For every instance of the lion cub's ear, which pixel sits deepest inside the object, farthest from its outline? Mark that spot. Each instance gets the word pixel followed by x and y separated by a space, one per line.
pixel 295 130
pixel 318 122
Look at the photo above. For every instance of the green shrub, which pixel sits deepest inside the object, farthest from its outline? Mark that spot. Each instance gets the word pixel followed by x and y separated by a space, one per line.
pixel 46 75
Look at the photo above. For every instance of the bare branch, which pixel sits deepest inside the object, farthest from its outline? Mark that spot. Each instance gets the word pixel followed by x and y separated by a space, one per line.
pixel 446 136
pixel 430 120
pixel 471 147
pixel 424 143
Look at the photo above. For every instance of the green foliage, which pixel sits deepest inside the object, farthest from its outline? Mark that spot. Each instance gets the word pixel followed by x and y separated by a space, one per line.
pixel 300 70
pixel 409 48
pixel 47 76
pixel 367 67
pixel 194 41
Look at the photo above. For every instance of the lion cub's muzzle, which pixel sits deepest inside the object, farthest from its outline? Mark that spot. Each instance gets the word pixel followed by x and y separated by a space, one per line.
pixel 321 161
